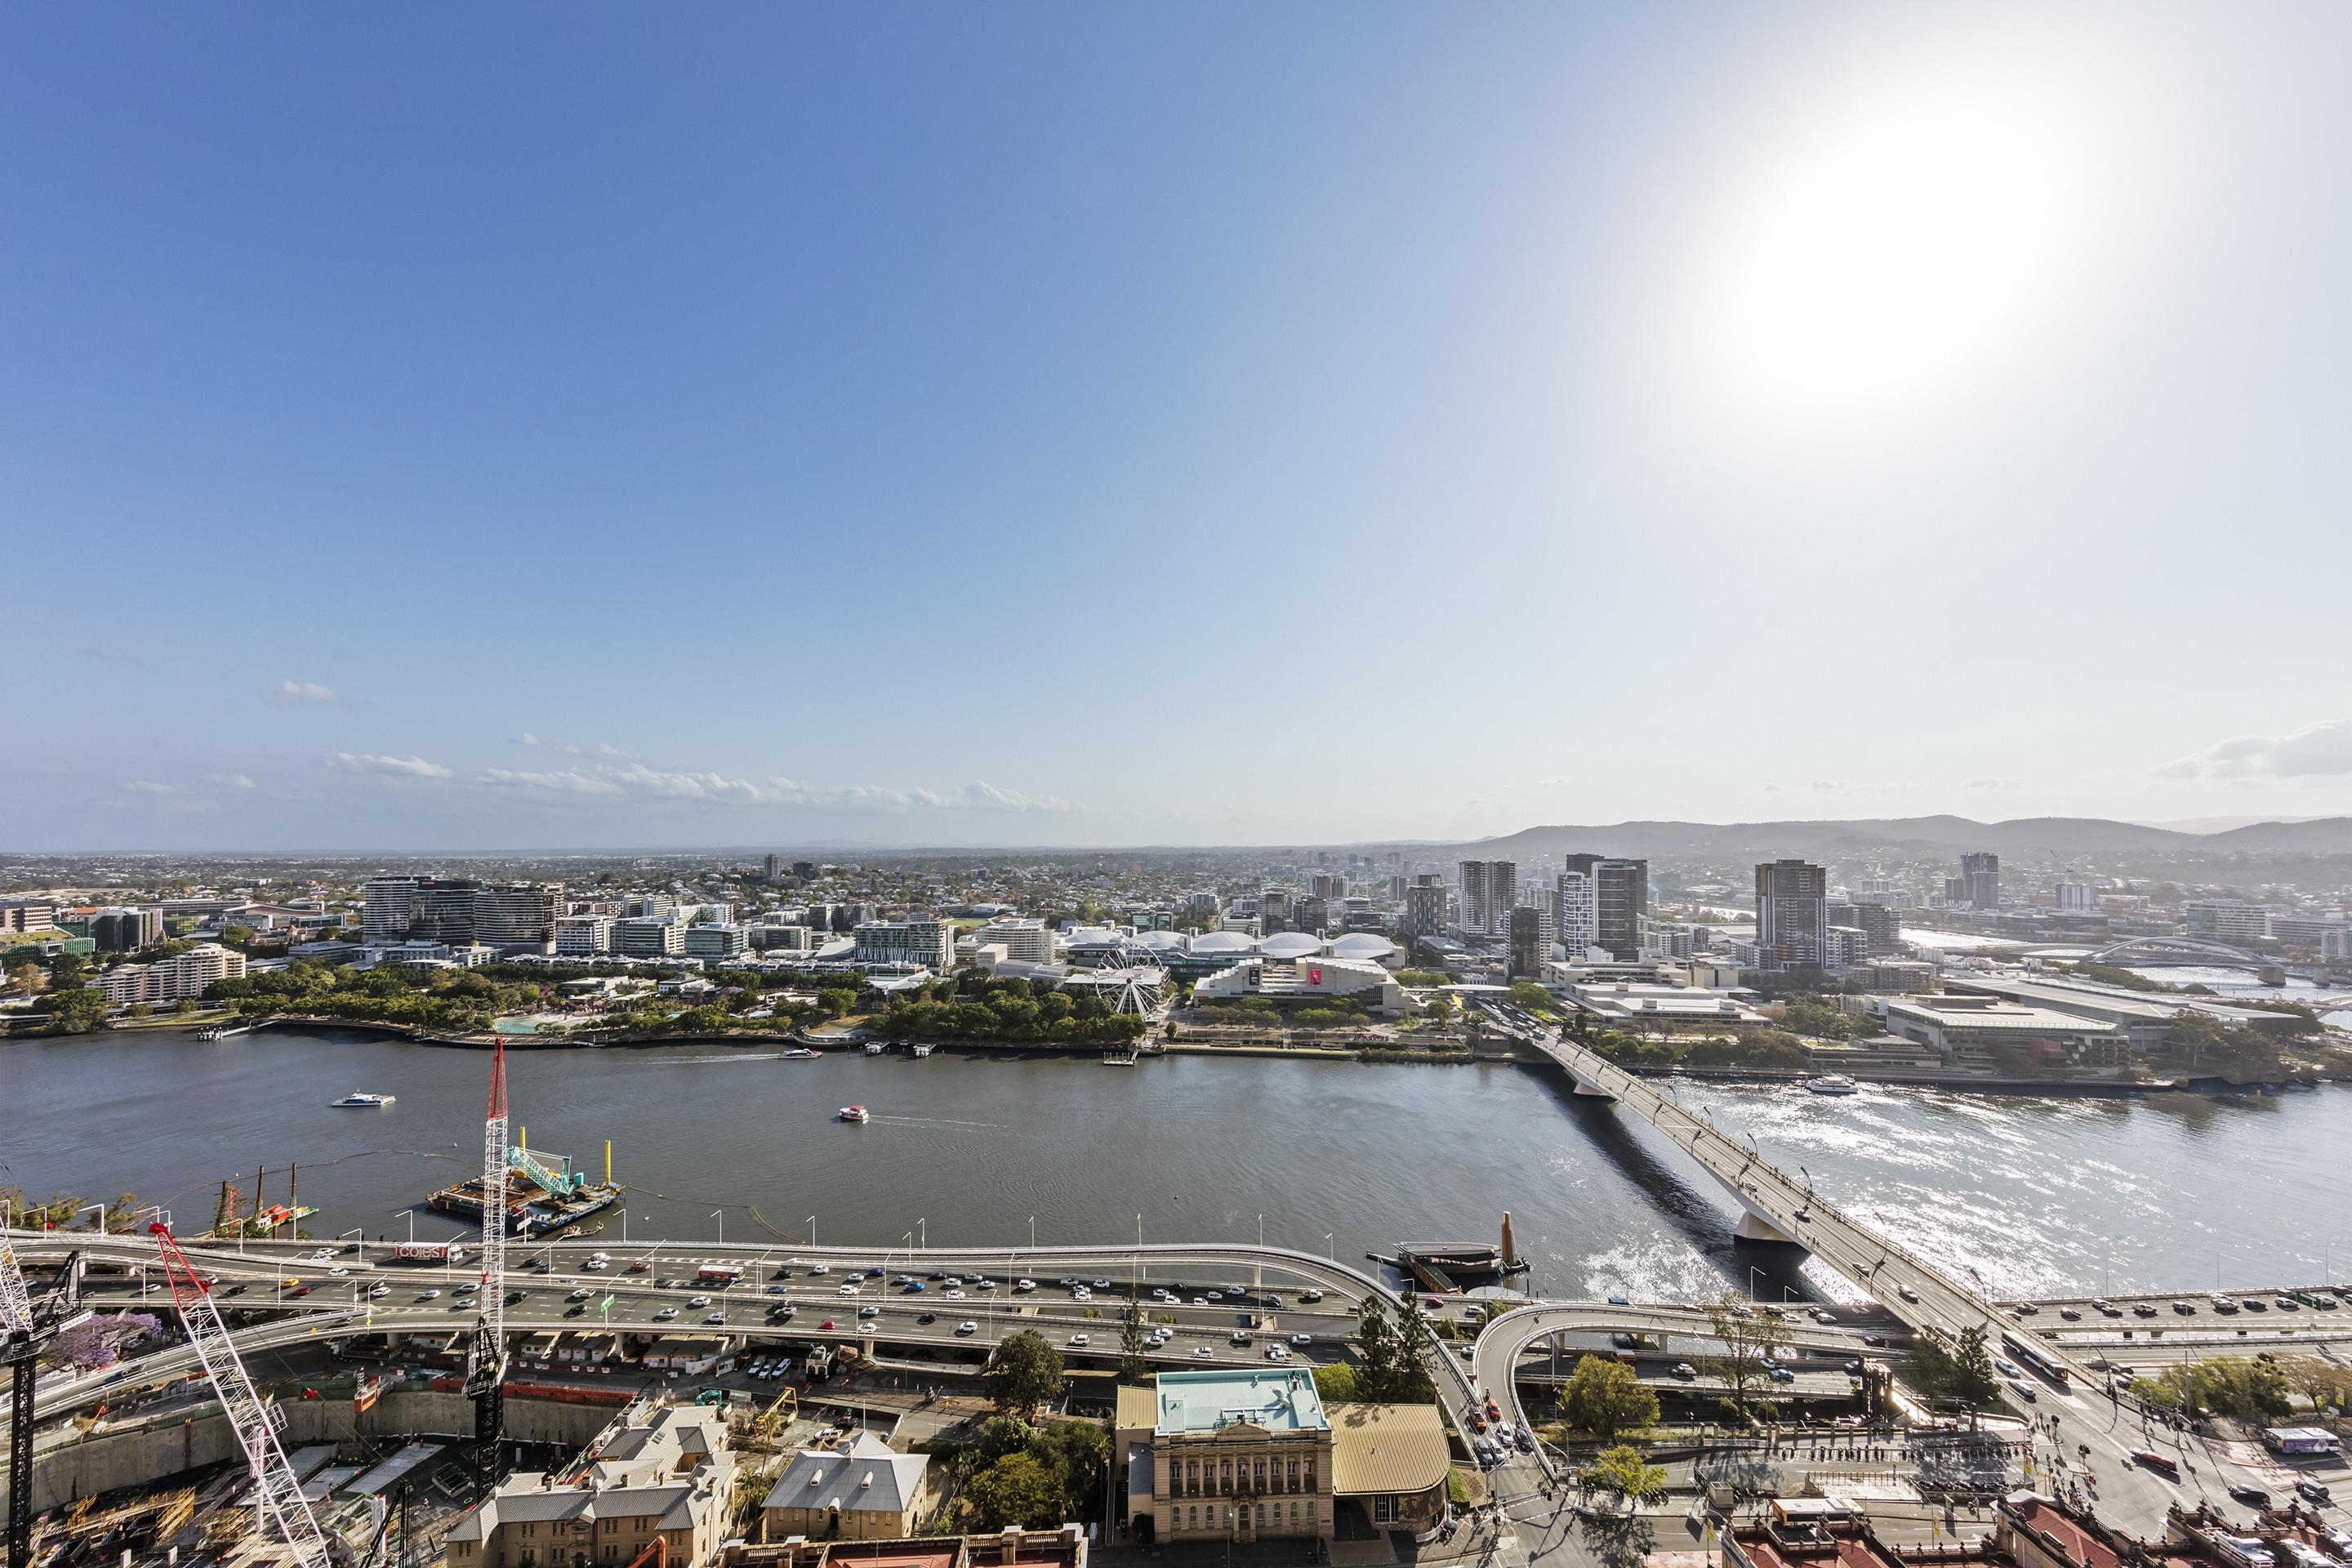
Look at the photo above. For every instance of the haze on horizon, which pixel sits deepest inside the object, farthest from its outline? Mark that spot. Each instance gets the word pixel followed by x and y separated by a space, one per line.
pixel 432 429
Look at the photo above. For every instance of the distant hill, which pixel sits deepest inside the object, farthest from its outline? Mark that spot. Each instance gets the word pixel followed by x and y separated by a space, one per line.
pixel 2022 839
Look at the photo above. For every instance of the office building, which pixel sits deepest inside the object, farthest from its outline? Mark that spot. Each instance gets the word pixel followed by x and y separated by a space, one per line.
pixel 804 870
pixel 648 936
pixel 921 944
pixel 716 943
pixel 1530 942
pixel 1489 893
pixel 126 931
pixel 769 868
pixel 2227 919
pixel 2330 936
pixel 1027 941
pixel 27 914
pixel 518 917
pixel 1881 923
pixel 1981 875
pixel 1274 912
pixel 1572 894
pixel 2075 897
pixel 1424 910
pixel 1791 915
pixel 1621 899
pixel 582 936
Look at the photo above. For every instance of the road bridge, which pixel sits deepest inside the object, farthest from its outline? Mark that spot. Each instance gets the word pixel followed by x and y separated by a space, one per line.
pixel 1776 1206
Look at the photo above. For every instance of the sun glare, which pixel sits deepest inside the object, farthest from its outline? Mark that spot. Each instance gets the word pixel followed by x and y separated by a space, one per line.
pixel 1901 246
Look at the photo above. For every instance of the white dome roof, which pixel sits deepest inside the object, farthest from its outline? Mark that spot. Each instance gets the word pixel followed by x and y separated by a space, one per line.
pixel 1290 944
pixel 1223 941
pixel 1161 940
pixel 1363 944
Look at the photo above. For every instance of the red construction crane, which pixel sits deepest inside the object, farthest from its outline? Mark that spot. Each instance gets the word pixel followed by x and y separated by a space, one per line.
pixel 250 1418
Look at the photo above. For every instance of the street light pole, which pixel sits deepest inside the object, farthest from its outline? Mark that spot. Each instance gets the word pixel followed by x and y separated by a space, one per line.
pixel 720 1216
pixel 1752 1272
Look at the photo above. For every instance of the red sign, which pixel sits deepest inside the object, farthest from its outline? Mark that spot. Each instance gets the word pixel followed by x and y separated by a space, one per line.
pixel 1314 977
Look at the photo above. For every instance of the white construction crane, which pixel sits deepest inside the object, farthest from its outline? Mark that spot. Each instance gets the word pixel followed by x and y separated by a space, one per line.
pixel 486 1368
pixel 249 1417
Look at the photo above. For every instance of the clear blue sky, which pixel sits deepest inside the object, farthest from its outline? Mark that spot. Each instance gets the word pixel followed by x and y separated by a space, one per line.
pixel 441 426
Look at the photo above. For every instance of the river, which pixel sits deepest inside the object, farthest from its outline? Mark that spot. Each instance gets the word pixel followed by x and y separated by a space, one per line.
pixel 2037 1196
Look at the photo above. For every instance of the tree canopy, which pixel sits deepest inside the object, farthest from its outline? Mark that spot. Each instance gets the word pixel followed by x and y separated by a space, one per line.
pixel 1604 1399
pixel 1024 1374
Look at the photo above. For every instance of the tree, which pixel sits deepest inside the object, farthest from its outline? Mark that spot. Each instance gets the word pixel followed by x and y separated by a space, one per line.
pixel 1336 1384
pixel 1412 1383
pixel 27 978
pixel 1377 1350
pixel 1962 1370
pixel 1017 1489
pixel 1023 1373
pixel 1604 1399
pixel 1747 1337
pixel 2236 1386
pixel 1533 997
pixel 1132 1366
pixel 837 1000
pixel 2328 1385
pixel 1624 1471
pixel 97 1343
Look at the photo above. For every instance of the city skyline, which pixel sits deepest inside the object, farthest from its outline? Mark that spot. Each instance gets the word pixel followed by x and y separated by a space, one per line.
pixel 1228 427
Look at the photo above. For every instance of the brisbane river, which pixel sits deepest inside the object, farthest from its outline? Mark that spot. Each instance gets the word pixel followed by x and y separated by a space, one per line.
pixel 2031 1196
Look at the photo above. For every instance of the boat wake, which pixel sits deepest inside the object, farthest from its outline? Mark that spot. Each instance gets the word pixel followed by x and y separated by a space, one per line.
pixel 942 1122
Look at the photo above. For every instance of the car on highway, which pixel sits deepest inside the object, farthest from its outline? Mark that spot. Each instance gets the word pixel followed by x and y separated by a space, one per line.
pixel 1216 1295
pixel 927 1318
pixel 2254 1304
pixel 1310 1295
pixel 430 1296
pixel 913 1286
pixel 323 1255
pixel 1875 1341
pixel 2143 1309
pixel 958 1296
pixel 2313 1491
pixel 1102 1284
pixel 700 1301
pixel 2284 1303
pixel 1278 1352
pixel 339 1271
pixel 2028 1310
pixel 1302 1339
pixel 1685 1371
pixel 1024 1284
pixel 2249 1494
pixel 2186 1308
pixel 1782 1375
pixel 595 1264
pixel 577 1309
pixel 1907 1293
pixel 869 1310
pixel 1527 1441
pixel 718 1317
pixel 1823 1315
pixel 1077 1341
pixel 583 1293
pixel 865 1328
pixel 1203 1352
pixel 850 1289
pixel 826 1327
pixel 305 1290
pixel 664 1314
pixel 376 1291
pixel 2072 1314
pixel 515 1298
pixel 782 1290
pixel 1432 1303
pixel 2024 1391
pixel 820 1267
pixel 2005 1367
pixel 937 1274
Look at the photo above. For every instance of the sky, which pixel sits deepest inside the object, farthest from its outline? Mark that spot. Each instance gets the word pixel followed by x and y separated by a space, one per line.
pixel 441 427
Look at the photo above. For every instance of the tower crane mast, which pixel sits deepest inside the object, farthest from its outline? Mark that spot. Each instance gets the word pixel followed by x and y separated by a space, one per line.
pixel 486 1367
pixel 250 1419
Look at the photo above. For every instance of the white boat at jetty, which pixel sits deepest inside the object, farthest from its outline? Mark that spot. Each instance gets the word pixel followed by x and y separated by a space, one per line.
pixel 360 1101
pixel 1831 1083
pixel 922 1050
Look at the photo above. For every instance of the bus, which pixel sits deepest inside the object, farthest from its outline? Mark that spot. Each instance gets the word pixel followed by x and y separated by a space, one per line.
pixel 721 1274
pixel 2034 1361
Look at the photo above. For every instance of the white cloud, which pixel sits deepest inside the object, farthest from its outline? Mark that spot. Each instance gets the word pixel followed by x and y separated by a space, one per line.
pixel 234 781
pixel 560 782
pixel 147 787
pixel 605 751
pixel 395 767
pixel 526 739
pixel 113 655
pixel 981 795
pixel 304 691
pixel 1991 783
pixel 2314 752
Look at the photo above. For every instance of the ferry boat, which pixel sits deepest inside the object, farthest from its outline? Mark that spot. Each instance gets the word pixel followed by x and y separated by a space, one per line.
pixel 802 1053
pixel 361 1100
pixel 873 1048
pixel 922 1050
pixel 854 1113
pixel 1831 1083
